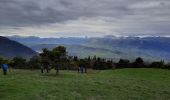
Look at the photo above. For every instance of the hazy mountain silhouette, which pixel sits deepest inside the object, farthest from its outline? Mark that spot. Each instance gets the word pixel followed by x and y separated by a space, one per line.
pixel 10 48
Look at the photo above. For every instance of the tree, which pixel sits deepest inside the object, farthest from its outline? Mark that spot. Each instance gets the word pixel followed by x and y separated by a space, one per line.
pixel 167 66
pixel 19 62
pixel 110 64
pixel 75 58
pixel 1 61
pixel 123 63
pixel 99 63
pixel 73 63
pixel 139 63
pixel 34 62
pixel 159 64
pixel 45 59
pixel 56 57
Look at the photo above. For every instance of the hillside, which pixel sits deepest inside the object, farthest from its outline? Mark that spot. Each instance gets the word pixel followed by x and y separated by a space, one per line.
pixel 9 49
pixel 151 48
pixel 81 50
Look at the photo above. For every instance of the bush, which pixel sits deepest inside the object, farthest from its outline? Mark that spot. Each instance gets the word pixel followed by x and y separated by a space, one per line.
pixel 19 63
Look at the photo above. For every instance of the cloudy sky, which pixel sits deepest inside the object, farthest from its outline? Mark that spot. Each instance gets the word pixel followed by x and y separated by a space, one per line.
pixel 59 18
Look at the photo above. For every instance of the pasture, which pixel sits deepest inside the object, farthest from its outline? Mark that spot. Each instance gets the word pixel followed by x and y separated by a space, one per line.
pixel 119 84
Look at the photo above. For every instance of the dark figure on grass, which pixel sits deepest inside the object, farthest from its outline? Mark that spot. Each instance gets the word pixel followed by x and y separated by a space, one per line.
pixel 5 68
pixel 82 69
pixel 47 68
pixel 42 69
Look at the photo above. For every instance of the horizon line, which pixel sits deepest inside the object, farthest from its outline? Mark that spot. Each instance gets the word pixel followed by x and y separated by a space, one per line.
pixel 105 36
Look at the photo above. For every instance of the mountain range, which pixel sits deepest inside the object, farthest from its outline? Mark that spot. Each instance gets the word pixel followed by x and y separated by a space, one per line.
pixel 111 47
pixel 10 49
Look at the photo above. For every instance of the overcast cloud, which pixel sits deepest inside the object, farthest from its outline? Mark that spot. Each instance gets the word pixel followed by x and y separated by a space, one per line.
pixel 58 18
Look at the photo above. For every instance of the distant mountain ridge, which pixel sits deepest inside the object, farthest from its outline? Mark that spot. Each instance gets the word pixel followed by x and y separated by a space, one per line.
pixel 37 40
pixel 150 48
pixel 153 48
pixel 10 48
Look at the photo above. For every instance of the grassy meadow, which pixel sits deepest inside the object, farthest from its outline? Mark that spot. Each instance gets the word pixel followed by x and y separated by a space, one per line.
pixel 119 84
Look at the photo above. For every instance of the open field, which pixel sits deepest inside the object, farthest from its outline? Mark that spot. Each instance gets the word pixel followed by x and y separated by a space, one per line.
pixel 120 84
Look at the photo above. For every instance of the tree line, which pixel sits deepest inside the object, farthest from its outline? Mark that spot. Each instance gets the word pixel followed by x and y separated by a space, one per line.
pixel 57 58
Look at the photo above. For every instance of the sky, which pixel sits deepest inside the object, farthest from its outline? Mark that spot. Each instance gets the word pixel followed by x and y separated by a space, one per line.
pixel 80 18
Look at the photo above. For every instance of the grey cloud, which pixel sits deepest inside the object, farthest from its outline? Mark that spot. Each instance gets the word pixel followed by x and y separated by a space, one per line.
pixel 26 12
pixel 128 15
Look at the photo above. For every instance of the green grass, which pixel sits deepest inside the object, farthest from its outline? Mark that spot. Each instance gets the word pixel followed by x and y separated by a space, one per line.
pixel 120 84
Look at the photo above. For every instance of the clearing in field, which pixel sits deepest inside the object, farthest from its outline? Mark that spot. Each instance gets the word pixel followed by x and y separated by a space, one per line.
pixel 120 84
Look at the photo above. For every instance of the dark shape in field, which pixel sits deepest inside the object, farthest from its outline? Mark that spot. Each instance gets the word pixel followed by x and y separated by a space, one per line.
pixel 5 68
